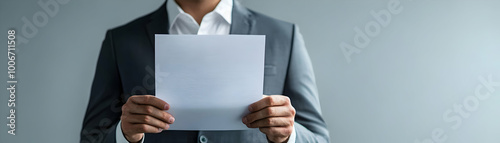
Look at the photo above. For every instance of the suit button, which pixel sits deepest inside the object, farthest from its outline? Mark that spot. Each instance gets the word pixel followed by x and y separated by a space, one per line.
pixel 203 139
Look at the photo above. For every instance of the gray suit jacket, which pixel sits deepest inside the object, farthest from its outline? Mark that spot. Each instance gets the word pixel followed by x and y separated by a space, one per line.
pixel 126 67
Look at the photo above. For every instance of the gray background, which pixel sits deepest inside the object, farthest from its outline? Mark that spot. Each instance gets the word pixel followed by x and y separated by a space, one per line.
pixel 396 90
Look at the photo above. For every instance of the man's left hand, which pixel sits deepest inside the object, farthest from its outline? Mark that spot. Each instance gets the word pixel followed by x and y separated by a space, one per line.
pixel 273 115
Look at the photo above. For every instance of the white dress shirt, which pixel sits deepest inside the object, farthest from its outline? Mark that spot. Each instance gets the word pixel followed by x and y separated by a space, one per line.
pixel 217 22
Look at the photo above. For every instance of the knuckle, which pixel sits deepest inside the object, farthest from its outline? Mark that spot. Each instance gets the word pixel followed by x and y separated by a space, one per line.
pixel 287 100
pixel 287 131
pixel 124 108
pixel 164 115
pixel 291 122
pixel 293 111
pixel 269 121
pixel 125 126
pixel 148 110
pixel 147 99
pixel 143 128
pixel 146 119
pixel 123 117
pixel 270 111
pixel 270 100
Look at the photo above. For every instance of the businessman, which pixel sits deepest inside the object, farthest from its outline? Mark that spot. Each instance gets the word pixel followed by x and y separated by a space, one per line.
pixel 122 106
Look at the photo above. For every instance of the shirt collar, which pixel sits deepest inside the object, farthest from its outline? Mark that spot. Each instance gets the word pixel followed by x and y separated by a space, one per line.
pixel 224 9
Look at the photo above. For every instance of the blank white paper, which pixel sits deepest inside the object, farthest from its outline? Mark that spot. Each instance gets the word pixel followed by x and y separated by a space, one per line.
pixel 209 80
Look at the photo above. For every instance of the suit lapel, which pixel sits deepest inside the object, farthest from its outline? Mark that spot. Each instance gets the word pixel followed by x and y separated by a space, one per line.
pixel 158 24
pixel 242 21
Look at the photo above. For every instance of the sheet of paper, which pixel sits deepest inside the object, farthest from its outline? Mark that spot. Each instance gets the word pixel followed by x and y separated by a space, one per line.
pixel 209 80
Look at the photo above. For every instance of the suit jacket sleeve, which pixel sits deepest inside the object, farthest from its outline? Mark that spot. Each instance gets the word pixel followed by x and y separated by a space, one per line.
pixel 300 86
pixel 104 107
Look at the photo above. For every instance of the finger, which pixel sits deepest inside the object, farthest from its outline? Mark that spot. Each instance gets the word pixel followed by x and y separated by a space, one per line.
pixel 275 111
pixel 145 119
pixel 271 122
pixel 145 128
pixel 149 100
pixel 149 110
pixel 273 100
pixel 277 134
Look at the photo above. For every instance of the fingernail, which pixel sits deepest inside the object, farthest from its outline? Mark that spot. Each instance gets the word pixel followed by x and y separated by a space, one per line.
pixel 245 120
pixel 165 107
pixel 160 129
pixel 167 126
pixel 171 120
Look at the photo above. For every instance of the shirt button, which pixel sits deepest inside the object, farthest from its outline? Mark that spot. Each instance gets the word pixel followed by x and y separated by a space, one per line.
pixel 203 139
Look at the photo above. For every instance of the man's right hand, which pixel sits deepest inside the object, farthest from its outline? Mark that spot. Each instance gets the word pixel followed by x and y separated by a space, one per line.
pixel 144 114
